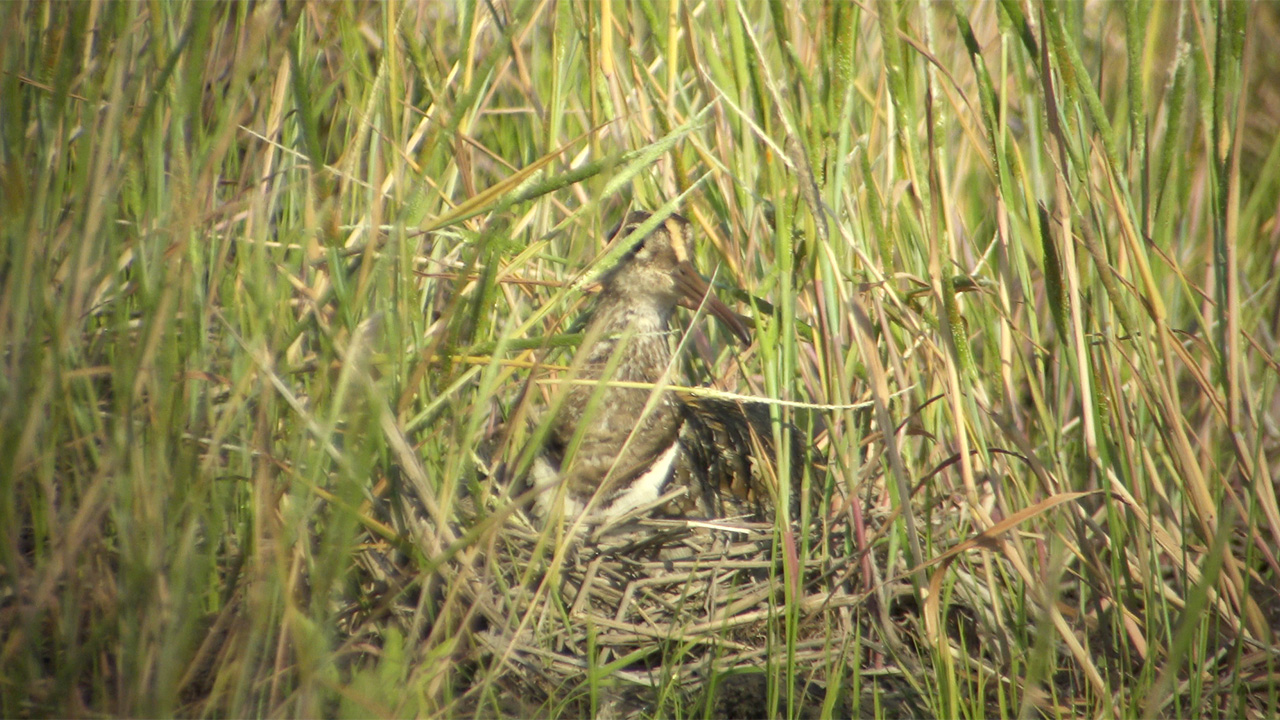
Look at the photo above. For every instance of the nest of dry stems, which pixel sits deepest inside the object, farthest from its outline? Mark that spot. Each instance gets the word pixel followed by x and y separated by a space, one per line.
pixel 642 606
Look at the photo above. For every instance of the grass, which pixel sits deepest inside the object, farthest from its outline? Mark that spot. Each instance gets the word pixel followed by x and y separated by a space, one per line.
pixel 272 272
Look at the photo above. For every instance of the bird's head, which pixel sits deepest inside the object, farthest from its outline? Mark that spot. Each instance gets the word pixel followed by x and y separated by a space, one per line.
pixel 657 268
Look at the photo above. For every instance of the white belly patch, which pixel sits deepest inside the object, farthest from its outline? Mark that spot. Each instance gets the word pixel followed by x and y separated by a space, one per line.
pixel 647 487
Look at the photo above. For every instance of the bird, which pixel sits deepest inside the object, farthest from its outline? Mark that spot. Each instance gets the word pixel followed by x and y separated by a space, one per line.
pixel 614 450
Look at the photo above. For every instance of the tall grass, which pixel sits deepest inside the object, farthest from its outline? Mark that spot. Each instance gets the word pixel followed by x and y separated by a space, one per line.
pixel 263 262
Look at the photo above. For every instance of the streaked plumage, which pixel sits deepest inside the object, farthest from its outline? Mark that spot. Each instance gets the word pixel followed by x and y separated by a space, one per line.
pixel 626 456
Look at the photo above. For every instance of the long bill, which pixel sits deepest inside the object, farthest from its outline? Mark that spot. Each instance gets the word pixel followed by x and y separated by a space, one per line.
pixel 696 292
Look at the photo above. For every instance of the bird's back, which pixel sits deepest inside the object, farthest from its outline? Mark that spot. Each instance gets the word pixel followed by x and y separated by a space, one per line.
pixel 729 461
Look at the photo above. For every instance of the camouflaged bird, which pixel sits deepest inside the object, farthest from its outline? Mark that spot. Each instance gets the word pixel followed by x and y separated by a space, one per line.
pixel 628 451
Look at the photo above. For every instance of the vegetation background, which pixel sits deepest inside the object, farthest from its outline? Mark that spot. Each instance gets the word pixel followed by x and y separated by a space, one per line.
pixel 260 259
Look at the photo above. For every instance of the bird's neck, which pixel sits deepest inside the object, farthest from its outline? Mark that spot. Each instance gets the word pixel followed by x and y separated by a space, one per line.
pixel 636 330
